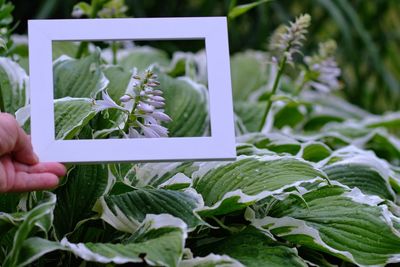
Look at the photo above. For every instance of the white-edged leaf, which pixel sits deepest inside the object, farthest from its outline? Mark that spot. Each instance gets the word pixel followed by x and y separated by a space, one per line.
pixel 362 169
pixel 126 211
pixel 78 77
pixel 85 184
pixel 186 102
pixel 231 186
pixel 142 57
pixel 158 242
pixel 211 260
pixel 253 248
pixel 41 217
pixel 71 115
pixel 14 85
pixel 344 223
pixel 249 72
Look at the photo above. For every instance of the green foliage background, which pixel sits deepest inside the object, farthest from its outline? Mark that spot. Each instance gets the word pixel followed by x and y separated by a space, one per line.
pixel 367 32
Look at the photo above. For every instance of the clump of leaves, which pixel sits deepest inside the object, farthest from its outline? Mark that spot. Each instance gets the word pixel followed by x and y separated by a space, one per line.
pixel 318 187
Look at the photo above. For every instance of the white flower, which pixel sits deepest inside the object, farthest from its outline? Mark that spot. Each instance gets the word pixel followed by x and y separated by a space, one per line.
pixel 323 69
pixel 289 39
pixel 106 103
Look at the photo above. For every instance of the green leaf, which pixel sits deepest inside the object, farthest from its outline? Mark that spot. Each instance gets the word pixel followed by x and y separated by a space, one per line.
pixel 60 48
pixel 231 186
pixel 85 184
pixel 186 102
pixel 156 174
pixel 211 260
pixel 143 57
pixel 14 83
pixel 78 77
pixel 289 115
pixel 315 151
pixel 276 142
pixel 126 211
pixel 250 114
pixel 253 248
pixel 362 169
pixel 343 223
pixel 41 217
pixel 158 242
pixel 249 73
pixel 71 115
pixel 242 9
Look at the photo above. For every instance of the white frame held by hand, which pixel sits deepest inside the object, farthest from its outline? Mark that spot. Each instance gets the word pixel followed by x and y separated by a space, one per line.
pixel 219 146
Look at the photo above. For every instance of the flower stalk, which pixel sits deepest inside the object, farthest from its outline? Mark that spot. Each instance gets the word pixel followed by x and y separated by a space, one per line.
pixel 287 41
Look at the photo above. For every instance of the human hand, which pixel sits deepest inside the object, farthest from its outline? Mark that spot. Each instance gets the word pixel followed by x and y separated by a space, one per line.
pixel 20 169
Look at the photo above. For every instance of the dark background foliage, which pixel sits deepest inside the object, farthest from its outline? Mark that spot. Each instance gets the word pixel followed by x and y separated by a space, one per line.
pixel 367 33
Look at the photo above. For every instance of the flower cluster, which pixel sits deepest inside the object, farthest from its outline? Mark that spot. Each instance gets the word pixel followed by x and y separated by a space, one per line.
pixel 323 71
pixel 147 112
pixel 146 107
pixel 289 39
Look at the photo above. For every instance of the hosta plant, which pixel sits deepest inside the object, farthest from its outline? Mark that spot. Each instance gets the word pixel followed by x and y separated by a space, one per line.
pixel 318 186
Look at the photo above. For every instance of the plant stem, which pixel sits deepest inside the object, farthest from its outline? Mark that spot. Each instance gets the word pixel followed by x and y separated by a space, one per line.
pixel 274 88
pixel 114 48
pixel 83 47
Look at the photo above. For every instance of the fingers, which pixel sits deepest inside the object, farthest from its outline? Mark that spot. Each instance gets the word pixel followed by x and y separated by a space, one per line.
pixel 24 182
pixel 23 151
pixel 13 140
pixel 43 167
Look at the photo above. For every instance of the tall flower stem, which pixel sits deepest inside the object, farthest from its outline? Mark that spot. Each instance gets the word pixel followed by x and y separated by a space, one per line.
pixel 273 92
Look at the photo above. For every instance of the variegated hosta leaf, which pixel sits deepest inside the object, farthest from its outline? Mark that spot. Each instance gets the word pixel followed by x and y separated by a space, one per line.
pixel 190 65
pixel 71 115
pixel 211 260
pixel 248 71
pixel 78 77
pixel 126 211
pixel 186 102
pixel 328 108
pixel 276 142
pixel 231 186
pixel 41 217
pixel 344 223
pixel 158 242
pixel 157 174
pixel 253 248
pixel 362 169
pixel 143 57
pixel 291 114
pixel 314 151
pixel 250 114
pixel 389 121
pixel 14 85
pixel 67 48
pixel 85 184
pixel 385 146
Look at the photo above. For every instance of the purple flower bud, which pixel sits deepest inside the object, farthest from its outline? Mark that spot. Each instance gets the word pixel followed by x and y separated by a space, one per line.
pixel 157 98
pixel 145 107
pixel 160 130
pixel 153 84
pixel 149 132
pixel 161 116
pixel 156 104
pixel 125 98
pixel 133 133
pixel 157 92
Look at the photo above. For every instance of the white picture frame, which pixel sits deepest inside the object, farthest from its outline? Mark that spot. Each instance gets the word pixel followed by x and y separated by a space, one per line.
pixel 219 146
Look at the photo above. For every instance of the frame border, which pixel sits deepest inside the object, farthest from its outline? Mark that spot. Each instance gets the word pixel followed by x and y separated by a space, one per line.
pixel 219 146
